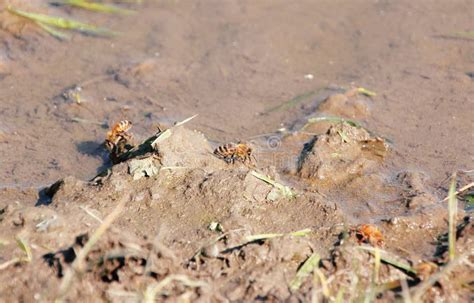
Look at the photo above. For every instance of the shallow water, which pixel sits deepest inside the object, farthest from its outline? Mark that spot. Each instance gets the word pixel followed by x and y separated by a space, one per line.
pixel 229 62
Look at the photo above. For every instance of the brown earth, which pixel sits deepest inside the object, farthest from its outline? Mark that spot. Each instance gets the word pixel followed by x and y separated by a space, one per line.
pixel 241 67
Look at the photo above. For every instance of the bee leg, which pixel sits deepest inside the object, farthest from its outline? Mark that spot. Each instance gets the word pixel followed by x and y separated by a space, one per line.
pixel 255 159
pixel 248 161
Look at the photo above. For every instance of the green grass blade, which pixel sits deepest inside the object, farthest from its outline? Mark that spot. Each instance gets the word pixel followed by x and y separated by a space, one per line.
pixel 452 213
pixel 61 22
pixel 23 245
pixel 99 7
pixel 305 270
pixel 300 233
pixel 464 35
pixel 366 92
pixel 403 266
pixel 55 33
pixel 292 102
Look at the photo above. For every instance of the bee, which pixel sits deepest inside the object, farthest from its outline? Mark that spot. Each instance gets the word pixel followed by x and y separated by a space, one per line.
pixel 425 269
pixel 118 133
pixel 368 233
pixel 232 152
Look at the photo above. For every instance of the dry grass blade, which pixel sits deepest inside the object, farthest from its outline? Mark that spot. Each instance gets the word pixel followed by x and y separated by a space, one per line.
pixel 423 287
pixel 305 270
pixel 285 190
pixel 60 22
pixel 405 291
pixel 8 263
pixel 23 245
pixel 452 214
pixel 324 282
pixel 98 7
pixel 377 264
pixel 259 237
pixel 80 120
pixel 185 121
pixel 462 189
pixel 152 290
pixel 405 267
pixel 90 213
pixel 78 264
pixel 167 133
pixel 372 291
pixel 330 119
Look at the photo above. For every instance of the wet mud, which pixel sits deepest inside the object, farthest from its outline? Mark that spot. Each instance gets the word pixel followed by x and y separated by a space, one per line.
pixel 354 136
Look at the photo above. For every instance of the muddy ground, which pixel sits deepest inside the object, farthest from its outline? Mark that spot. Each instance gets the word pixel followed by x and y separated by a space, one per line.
pixel 259 72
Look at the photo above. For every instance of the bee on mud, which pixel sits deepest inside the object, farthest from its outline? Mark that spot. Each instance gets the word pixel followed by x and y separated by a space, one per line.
pixel 368 233
pixel 118 139
pixel 235 152
pixel 118 133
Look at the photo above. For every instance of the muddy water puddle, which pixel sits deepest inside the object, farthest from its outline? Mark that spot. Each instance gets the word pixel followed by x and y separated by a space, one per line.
pixel 354 131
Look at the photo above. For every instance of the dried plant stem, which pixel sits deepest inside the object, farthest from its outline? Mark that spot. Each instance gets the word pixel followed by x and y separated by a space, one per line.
pixel 452 214
pixel 78 264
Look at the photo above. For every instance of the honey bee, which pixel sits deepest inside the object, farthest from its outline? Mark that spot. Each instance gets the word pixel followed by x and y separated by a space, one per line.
pixel 425 269
pixel 231 152
pixel 368 233
pixel 118 133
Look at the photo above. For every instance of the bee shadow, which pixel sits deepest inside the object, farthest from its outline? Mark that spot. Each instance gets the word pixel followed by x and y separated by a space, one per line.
pixel 90 148
pixel 95 149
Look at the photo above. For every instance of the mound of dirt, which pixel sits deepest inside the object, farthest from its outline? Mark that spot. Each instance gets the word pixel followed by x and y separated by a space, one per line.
pixel 340 155
pixel 196 228
pixel 189 189
pixel 348 105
